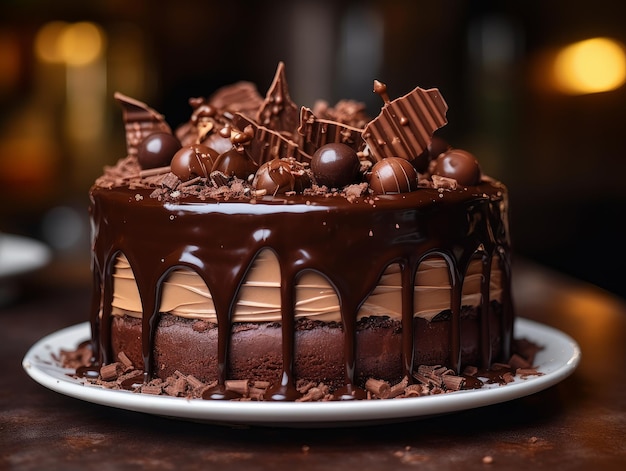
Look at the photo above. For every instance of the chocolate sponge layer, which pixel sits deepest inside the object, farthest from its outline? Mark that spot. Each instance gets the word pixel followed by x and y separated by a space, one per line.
pixel 190 346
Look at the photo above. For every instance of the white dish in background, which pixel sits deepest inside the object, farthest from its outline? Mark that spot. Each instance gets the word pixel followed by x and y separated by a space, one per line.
pixel 558 359
pixel 19 255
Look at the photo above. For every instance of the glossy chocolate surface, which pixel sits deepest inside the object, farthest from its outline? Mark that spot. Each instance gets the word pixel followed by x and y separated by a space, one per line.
pixel 348 242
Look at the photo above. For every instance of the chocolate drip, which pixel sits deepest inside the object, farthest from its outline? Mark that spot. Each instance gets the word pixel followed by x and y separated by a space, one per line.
pixel 220 240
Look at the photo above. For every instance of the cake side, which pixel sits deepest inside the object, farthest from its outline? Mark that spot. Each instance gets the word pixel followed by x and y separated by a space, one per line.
pixel 219 241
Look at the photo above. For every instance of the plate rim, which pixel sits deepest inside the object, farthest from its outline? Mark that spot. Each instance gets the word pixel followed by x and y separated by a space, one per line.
pixel 558 360
pixel 34 254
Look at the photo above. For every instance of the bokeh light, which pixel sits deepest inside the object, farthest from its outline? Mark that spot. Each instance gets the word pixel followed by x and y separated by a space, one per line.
pixel 591 66
pixel 74 44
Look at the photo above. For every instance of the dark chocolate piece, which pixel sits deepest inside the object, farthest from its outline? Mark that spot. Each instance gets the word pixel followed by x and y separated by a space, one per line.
pixel 335 165
pixel 235 163
pixel 318 132
pixel 193 161
pixel 405 126
pixel 139 121
pixel 274 177
pixel 278 112
pixel 157 150
pixel 459 165
pixel 268 144
pixel 436 146
pixel 393 175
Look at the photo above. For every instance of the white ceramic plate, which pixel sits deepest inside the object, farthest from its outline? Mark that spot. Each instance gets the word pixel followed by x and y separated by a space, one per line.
pixel 556 361
pixel 19 255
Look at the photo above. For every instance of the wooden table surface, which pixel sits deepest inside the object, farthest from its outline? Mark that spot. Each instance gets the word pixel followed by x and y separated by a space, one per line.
pixel 578 424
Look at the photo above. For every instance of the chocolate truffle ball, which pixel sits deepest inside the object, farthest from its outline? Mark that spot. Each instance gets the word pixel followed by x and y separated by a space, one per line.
pixel 157 150
pixel 393 175
pixel 460 165
pixel 195 160
pixel 275 177
pixel 234 163
pixel 335 165
pixel 435 147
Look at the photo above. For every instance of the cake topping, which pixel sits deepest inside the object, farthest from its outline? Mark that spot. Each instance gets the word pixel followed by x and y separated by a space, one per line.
pixel 393 175
pixel 139 121
pixel 317 132
pixel 278 112
pixel 405 126
pixel 335 165
pixel 459 165
pixel 157 150
pixel 235 163
pixel 268 144
pixel 436 146
pixel 239 132
pixel 274 177
pixel 192 161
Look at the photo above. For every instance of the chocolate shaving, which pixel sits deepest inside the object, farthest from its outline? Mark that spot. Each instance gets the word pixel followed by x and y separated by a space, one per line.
pixel 405 126
pixel 378 388
pixel 453 382
pixel 139 121
pixel 170 181
pixel 516 361
pixel 398 388
pixel 313 394
pixel 125 361
pixel 111 371
pixel 154 389
pixel 239 386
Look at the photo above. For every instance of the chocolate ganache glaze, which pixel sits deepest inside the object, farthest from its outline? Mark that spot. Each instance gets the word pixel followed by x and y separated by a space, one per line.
pixel 216 224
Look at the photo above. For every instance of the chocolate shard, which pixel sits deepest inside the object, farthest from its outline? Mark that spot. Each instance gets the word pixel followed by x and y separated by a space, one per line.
pixel 317 132
pixel 268 144
pixel 278 112
pixel 405 125
pixel 139 121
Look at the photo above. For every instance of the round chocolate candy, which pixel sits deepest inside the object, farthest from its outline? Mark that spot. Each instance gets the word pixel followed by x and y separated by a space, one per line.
pixel 157 150
pixel 195 160
pixel 393 175
pixel 459 165
pixel 435 147
pixel 335 165
pixel 234 163
pixel 274 177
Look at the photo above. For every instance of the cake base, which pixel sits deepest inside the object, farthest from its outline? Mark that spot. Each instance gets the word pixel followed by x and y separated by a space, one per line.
pixel 255 353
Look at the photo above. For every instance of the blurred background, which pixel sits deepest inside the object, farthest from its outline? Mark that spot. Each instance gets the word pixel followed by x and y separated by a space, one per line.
pixel 535 89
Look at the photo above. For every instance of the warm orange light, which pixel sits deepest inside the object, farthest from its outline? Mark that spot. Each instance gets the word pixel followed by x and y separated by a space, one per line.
pixel 75 44
pixel 47 41
pixel 590 66
pixel 81 43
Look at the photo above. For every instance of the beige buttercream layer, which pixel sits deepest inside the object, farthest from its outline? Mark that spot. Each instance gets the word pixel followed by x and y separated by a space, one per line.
pixel 186 295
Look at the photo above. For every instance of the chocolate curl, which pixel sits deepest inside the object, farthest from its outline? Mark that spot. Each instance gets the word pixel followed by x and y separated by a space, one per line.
pixel 278 112
pixel 268 144
pixel 139 121
pixel 317 132
pixel 405 126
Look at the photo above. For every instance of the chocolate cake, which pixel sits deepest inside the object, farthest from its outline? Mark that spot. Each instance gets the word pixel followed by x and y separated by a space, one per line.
pixel 262 250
